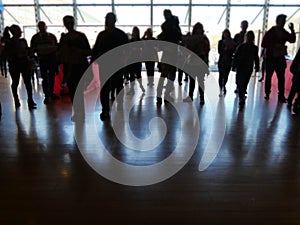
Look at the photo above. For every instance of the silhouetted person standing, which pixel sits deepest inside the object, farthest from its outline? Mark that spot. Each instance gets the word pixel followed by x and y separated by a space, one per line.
pixel 75 48
pixel 226 48
pixel 108 39
pixel 199 44
pixel 18 62
pixel 295 89
pixel 44 44
pixel 170 32
pixel 150 65
pixel 274 41
pixel 239 38
pixel 135 69
pixel 245 57
pixel 3 53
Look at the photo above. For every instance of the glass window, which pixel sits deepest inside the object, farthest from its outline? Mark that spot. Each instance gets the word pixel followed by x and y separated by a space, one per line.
pixel 17 2
pixel 19 15
pixel 180 11
pixel 92 15
pixel 139 15
pixel 132 2
pixel 55 1
pixel 241 2
pixel 209 2
pixel 54 14
pixel 94 1
pixel 288 2
pixel 238 14
pixel 171 2
pixel 289 11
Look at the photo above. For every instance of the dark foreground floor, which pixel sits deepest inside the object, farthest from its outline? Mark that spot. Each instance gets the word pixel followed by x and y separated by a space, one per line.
pixel 253 178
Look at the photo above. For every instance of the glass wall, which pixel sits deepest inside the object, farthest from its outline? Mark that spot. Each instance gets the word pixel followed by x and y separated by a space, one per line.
pixel 211 13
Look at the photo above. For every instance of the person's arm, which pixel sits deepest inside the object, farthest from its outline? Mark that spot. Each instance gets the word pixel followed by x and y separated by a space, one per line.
pixel 291 37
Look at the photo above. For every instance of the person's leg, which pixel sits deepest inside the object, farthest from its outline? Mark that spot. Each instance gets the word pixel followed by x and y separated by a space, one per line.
pixel 52 71
pixel 170 82
pixel 15 77
pixel 138 73
pixel 180 74
pixel 225 77
pixel 269 73
pixel 280 72
pixel 27 81
pixel 150 72
pixel 221 81
pixel 45 81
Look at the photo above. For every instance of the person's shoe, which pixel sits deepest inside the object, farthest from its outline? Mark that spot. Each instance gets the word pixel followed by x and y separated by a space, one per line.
pixel 46 100
pixel 295 109
pixel 142 88
pixel 282 99
pixel 267 97
pixel 180 83
pixel 187 99
pixel 221 92
pixel 202 102
pixel 224 91
pixel 242 102
pixel 186 79
pixel 261 79
pixel 236 91
pixel 104 116
pixel 17 104
pixel 77 118
pixel 31 105
pixel 158 100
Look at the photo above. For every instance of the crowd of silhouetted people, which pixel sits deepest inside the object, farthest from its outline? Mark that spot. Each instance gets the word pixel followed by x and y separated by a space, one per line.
pixel 74 53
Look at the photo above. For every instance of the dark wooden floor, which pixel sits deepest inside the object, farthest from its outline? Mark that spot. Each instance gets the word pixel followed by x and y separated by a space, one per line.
pixel 254 179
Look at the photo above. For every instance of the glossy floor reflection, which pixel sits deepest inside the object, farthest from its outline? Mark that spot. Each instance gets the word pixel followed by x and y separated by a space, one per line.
pixel 254 178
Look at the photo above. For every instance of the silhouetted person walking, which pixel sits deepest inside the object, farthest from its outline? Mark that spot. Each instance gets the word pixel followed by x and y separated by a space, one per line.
pixel 170 32
pixel 74 49
pixel 108 39
pixel 245 57
pixel 18 62
pixel 44 44
pixel 226 48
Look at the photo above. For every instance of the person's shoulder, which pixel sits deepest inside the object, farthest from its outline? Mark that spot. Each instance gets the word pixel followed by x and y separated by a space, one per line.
pixel 51 35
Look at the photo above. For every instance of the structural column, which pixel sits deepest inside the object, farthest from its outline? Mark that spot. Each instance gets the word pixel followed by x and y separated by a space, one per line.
pixel 37 11
pixel 266 17
pixel 227 19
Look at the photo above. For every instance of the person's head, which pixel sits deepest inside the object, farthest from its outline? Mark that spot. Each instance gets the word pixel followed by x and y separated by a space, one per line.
pixel 15 30
pixel 250 36
pixel 226 34
pixel 69 22
pixel 244 25
pixel 149 33
pixel 280 20
pixel 135 32
pixel 198 29
pixel 110 20
pixel 6 34
pixel 42 26
pixel 167 14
